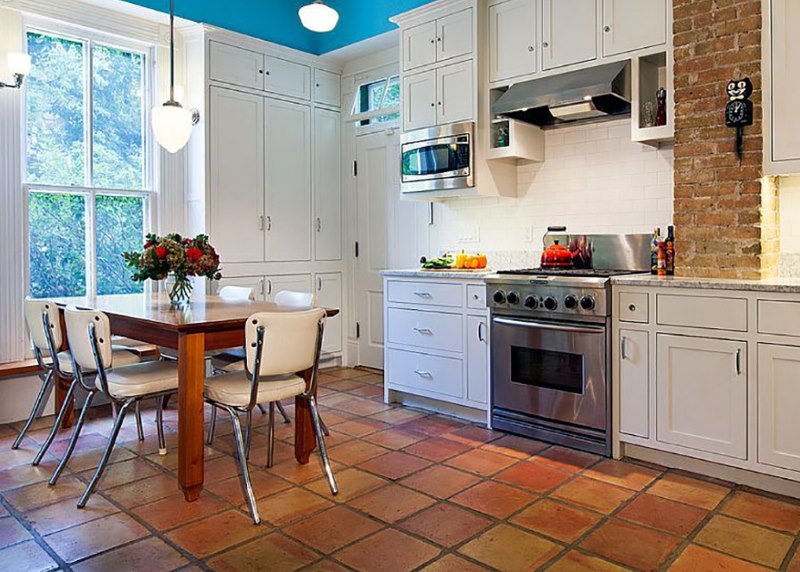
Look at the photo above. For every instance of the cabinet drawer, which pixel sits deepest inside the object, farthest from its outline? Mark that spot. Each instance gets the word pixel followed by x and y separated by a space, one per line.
pixel 633 307
pixel 702 312
pixel 476 296
pixel 781 318
pixel 424 293
pixel 430 330
pixel 420 371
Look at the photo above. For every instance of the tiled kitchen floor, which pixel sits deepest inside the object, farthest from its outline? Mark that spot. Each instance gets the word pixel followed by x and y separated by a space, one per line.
pixel 418 491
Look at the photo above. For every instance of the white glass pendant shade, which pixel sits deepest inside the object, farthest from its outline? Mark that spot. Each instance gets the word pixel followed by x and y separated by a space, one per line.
pixel 172 126
pixel 318 17
pixel 19 64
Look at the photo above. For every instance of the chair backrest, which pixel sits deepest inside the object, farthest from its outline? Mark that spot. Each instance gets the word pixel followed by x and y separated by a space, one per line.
pixel 295 299
pixel 80 341
pixel 241 293
pixel 290 340
pixel 35 311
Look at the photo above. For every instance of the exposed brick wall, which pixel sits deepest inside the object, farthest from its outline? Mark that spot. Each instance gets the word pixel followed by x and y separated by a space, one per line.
pixel 726 225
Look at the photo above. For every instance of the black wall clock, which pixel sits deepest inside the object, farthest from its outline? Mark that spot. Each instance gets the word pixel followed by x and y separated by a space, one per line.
pixel 739 111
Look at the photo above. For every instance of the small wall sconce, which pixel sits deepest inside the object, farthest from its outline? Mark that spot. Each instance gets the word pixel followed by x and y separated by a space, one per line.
pixel 20 65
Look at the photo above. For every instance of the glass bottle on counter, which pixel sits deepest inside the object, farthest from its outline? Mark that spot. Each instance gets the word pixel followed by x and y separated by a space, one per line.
pixel 669 245
pixel 654 250
pixel 662 258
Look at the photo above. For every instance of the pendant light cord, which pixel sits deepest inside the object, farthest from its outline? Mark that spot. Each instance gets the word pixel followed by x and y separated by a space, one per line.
pixel 172 50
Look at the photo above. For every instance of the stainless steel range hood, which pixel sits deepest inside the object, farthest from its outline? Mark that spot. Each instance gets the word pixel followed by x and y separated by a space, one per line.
pixel 593 94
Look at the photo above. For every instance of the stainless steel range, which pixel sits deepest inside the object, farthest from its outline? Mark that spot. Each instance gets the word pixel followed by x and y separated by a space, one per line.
pixel 550 344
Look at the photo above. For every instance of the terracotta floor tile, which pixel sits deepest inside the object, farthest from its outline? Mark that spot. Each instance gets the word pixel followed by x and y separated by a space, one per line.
pixel 345 372
pixel 794 565
pixel 331 530
pixel 574 561
pixel 484 463
pixel 369 391
pixel 216 533
pixel 439 481
pixel 392 503
pixel 361 406
pixel 16 477
pixel 514 446
pixel 355 452
pixel 773 513
pixel 622 474
pixel 437 449
pixel 96 536
pixel 290 505
pixel 174 511
pixel 16 457
pixel 689 490
pixel 263 483
pixel 344 384
pixel 27 556
pixel 143 491
pixel 42 494
pixel 151 554
pixel 473 435
pixel 433 426
pixel 558 520
pixel 398 415
pixel 633 545
pixel 494 499
pixel 389 551
pixel 3 511
pixel 745 540
pixel 325 565
pixel 88 460
pixel 670 516
pixel 446 524
pixel 221 468
pixel 394 465
pixel 395 438
pixel 533 476
pixel 566 459
pixel 274 551
pixel 296 473
pixel 352 483
pixel 492 548
pixel 361 426
pixel 12 532
pixel 453 563
pixel 64 514
pixel 698 559
pixel 593 494
pixel 123 473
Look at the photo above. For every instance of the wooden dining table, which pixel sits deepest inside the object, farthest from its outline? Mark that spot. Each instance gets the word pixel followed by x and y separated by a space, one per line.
pixel 207 323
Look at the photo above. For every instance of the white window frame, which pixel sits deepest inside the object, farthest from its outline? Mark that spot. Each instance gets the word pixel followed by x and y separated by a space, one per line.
pixel 357 117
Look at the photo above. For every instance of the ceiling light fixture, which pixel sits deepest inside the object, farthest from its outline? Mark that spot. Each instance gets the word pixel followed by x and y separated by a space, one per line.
pixel 318 17
pixel 20 66
pixel 172 124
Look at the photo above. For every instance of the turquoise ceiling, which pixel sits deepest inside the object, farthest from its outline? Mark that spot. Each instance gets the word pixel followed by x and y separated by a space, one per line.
pixel 277 20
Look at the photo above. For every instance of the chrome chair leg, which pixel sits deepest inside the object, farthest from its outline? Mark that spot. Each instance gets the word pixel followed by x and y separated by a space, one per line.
pixel 323 450
pixel 57 423
pixel 324 427
pixel 162 442
pixel 76 432
pixel 36 411
pixel 212 425
pixel 286 418
pixel 271 435
pixel 247 434
pixel 139 428
pixel 247 486
pixel 112 439
pixel 261 408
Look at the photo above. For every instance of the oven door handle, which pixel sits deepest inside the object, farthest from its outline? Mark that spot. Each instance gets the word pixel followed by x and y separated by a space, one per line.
pixel 547 326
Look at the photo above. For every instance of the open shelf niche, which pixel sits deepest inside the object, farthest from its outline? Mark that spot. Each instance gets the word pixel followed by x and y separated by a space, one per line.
pixel 651 72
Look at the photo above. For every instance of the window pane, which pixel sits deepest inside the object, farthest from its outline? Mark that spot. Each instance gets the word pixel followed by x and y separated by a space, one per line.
pixel 118 118
pixel 57 244
pixel 55 127
pixel 120 228
pixel 392 98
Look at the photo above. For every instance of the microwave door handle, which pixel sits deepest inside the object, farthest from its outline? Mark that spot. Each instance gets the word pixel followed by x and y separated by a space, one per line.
pixel 555 327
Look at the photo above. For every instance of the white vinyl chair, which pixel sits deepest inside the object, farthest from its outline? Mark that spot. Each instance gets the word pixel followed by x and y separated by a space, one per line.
pixel 278 345
pixel 89 335
pixel 295 299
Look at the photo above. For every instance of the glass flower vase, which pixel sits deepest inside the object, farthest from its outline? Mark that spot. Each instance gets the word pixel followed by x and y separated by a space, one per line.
pixel 179 289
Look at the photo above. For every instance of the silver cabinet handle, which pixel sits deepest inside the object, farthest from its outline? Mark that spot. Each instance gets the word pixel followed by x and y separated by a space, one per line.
pixel 422 294
pixel 556 326
pixel 269 287
pixel 739 361
pixel 261 222
pixel 425 331
pixel 261 289
pixel 319 225
pixel 423 373
pixel 319 284
pixel 624 347
pixel 269 223
pixel 481 337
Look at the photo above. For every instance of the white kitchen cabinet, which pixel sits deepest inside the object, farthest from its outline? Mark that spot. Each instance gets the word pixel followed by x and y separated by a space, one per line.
pixel 477 359
pixel 329 295
pixel 634 383
pixel 630 25
pixel 327 185
pixel 454 92
pixel 287 78
pixel 419 100
pixel 701 400
pixel 569 32
pixel 513 39
pixel 236 175
pixel 327 88
pixel 237 66
pixel 783 30
pixel 778 406
pixel 454 35
pixel 419 45
pixel 288 181
pixel 293 282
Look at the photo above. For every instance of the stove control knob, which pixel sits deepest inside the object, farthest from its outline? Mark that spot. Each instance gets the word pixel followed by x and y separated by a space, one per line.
pixel 550 303
pixel 571 302
pixel 587 303
pixel 499 297
pixel 512 298
pixel 531 302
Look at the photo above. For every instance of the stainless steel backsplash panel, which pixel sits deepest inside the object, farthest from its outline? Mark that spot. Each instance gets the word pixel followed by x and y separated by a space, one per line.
pixel 609 251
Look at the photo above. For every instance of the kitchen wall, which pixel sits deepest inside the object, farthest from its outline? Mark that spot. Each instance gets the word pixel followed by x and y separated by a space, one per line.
pixel 593 180
pixel 790 225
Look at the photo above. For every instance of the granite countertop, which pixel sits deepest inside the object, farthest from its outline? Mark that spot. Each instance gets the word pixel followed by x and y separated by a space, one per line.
pixel 419 273
pixel 781 285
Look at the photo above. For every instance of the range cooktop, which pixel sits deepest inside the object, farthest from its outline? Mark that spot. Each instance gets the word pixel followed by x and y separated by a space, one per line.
pixel 580 272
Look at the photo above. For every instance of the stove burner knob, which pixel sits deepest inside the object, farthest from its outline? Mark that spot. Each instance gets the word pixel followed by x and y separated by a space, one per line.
pixel 550 303
pixel 571 302
pixel 587 303
pixel 512 298
pixel 531 302
pixel 499 297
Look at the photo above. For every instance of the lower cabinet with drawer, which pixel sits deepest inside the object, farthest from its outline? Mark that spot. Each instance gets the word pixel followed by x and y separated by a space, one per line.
pixel 436 342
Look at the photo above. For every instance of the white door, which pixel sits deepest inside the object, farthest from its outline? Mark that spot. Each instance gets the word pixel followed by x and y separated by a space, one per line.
pixel 327 88
pixel 701 395
pixel 455 93
pixel 630 25
pixel 634 377
pixel 327 185
pixel 288 175
pixel 477 359
pixel 236 66
pixel 785 48
pixel 512 39
pixel 292 282
pixel 287 78
pixel 236 175
pixel 454 35
pixel 419 45
pixel 419 100
pixel 329 294
pixel 778 406
pixel 255 283
pixel 569 32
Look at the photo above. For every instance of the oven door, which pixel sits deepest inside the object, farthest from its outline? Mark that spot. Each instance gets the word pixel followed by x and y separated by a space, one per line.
pixel 552 370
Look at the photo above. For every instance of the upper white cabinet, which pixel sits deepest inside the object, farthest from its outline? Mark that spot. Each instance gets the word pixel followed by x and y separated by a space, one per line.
pixel 454 92
pixel 778 404
pixel 512 39
pixel 630 25
pixel 419 100
pixel 419 45
pixel 236 66
pixel 287 78
pixel 327 88
pixel 327 185
pixel 782 27
pixel 634 377
pixel 569 32
pixel 437 40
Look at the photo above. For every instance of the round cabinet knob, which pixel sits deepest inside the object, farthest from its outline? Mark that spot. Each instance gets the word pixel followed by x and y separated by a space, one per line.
pixel 632 307
pixel 571 302
pixel 550 303
pixel 531 302
pixel 531 48
pixel 587 303
pixel 499 297
pixel 545 44
pixel 512 298
pixel 606 28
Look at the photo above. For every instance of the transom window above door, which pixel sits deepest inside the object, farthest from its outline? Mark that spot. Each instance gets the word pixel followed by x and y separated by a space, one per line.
pixel 377 101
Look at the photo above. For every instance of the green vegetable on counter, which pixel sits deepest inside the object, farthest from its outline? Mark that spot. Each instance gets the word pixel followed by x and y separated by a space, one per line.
pixel 442 262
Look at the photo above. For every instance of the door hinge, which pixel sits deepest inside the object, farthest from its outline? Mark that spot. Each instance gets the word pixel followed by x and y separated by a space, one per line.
pixel 358 330
pixel 355 168
pixel 356 249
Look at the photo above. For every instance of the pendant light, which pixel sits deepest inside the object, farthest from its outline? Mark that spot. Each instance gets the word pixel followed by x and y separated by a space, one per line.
pixel 318 17
pixel 172 124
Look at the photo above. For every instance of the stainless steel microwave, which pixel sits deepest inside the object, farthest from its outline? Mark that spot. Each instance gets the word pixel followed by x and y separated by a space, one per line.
pixel 438 158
